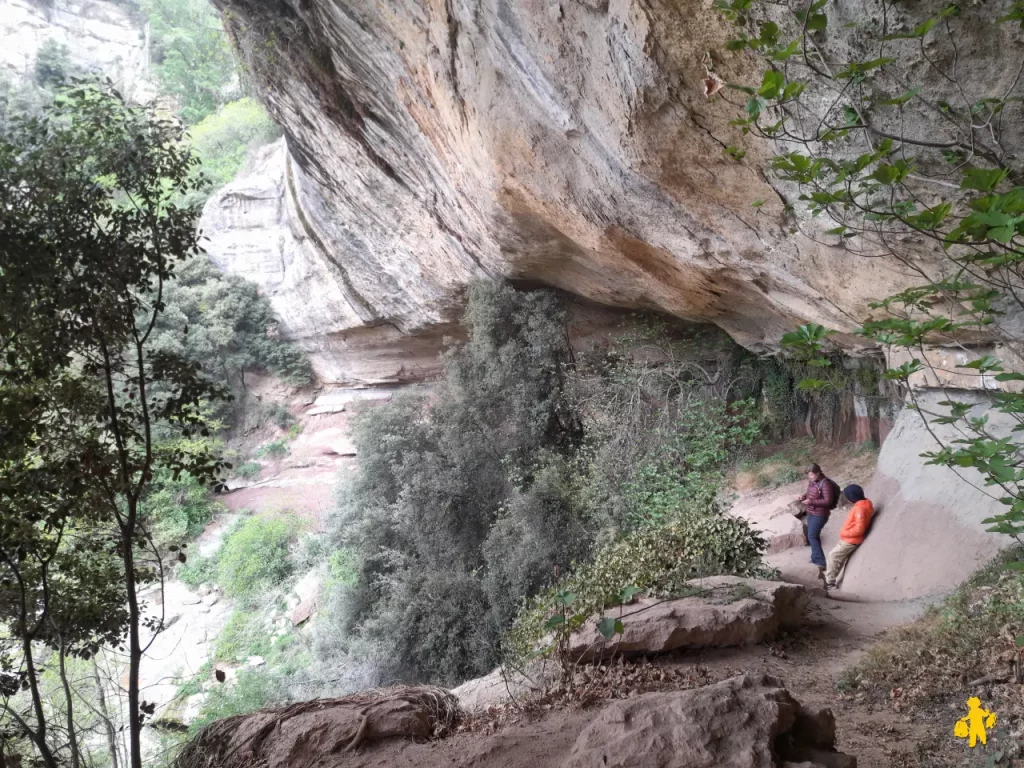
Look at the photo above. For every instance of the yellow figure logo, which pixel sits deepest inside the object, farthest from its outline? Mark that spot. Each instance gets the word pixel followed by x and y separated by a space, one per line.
pixel 972 726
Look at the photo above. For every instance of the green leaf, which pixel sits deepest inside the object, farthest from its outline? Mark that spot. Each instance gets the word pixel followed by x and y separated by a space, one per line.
pixel 555 621
pixel 786 52
pixel 812 385
pixel 772 84
pixel 903 98
pixel 565 598
pixel 920 30
pixel 982 179
pixel 755 106
pixel 627 594
pixel 1019 641
pixel 858 69
pixel 609 626
pixel 817 22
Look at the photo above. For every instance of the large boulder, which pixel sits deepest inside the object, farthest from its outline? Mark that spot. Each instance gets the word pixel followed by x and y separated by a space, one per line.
pixel 743 722
pixel 321 731
pixel 724 611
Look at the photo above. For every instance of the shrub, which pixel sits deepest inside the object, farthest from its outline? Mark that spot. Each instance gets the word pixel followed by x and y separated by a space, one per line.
pixel 275 449
pixel 224 139
pixel 253 689
pixel 657 559
pixel 231 327
pixel 197 570
pixel 246 634
pixel 255 555
pixel 248 470
pixel 281 416
pixel 177 509
pixel 192 58
pixel 53 64
pixel 435 476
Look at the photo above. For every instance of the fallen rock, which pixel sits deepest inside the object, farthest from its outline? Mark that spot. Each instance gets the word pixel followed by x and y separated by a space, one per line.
pixel 499 687
pixel 728 611
pixel 321 731
pixel 744 722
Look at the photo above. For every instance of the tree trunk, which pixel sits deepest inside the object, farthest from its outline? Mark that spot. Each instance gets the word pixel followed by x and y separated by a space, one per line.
pixel 108 724
pixel 134 642
pixel 38 736
pixel 72 736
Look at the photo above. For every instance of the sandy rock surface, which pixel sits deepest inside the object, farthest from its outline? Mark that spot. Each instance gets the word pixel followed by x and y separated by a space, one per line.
pixel 563 143
pixel 728 611
pixel 744 722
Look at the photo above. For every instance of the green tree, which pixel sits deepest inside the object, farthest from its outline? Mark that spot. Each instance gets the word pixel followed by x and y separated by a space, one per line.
pixel 435 476
pixel 222 323
pixel 192 56
pixel 89 238
pixel 222 140
pixel 53 64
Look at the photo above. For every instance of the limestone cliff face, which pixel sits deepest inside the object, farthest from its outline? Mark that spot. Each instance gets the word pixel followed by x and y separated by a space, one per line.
pixel 566 142
pixel 101 36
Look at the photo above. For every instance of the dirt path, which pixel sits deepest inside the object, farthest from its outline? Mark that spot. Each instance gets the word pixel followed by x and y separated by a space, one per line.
pixel 809 663
pixel 840 629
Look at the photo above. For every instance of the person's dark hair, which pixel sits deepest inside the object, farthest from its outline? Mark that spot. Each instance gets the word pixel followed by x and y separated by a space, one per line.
pixel 854 493
pixel 813 468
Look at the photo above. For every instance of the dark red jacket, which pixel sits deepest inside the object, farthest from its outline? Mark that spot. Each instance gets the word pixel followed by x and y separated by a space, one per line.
pixel 820 497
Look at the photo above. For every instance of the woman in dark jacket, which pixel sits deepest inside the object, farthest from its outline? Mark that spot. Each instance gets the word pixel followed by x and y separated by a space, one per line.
pixel 819 501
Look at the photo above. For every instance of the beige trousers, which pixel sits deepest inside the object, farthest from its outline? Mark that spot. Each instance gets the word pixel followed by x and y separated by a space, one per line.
pixel 837 559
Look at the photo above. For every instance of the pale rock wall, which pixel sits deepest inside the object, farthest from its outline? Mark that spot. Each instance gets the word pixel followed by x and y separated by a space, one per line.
pixel 257 227
pixel 568 143
pixel 101 36
pixel 927 535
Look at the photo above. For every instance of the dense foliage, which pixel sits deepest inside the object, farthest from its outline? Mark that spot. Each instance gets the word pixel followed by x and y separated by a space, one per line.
pixel 224 139
pixel 470 501
pixel 89 237
pixel 192 56
pixel 221 322
pixel 255 556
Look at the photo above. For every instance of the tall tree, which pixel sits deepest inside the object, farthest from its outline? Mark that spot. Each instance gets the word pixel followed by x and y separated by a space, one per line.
pixel 90 234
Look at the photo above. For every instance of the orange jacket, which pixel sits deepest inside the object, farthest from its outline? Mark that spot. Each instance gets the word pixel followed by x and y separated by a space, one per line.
pixel 857 522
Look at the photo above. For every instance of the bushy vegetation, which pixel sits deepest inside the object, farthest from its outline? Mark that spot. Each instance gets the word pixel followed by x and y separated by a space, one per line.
pixel 178 508
pixel 470 502
pixel 231 328
pixel 192 56
pixel 223 139
pixel 255 555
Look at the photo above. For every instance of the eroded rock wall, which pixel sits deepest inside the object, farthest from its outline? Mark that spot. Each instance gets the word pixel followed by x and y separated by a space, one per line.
pixel 570 143
pixel 101 35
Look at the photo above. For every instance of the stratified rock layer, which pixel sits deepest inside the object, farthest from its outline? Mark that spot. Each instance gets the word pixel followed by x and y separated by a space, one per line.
pixel 101 36
pixel 567 142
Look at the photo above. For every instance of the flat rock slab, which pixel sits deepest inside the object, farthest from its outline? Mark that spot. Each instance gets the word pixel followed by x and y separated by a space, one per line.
pixel 726 611
pixel 744 722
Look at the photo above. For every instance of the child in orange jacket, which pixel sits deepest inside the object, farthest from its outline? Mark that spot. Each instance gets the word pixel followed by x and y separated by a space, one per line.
pixel 852 534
